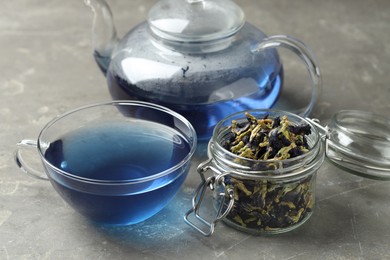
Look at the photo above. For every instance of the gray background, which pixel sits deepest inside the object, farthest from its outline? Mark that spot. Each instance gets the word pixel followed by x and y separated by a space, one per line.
pixel 46 68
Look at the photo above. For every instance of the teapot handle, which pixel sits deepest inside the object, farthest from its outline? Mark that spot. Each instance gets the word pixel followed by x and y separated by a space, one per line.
pixel 303 52
pixel 22 163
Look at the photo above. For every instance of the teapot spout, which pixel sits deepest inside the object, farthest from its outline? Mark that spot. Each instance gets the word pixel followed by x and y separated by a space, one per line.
pixel 104 36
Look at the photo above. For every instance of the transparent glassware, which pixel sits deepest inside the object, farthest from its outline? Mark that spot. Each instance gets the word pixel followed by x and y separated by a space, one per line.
pixel 256 198
pixel 359 142
pixel 102 161
pixel 197 57
pixel 273 200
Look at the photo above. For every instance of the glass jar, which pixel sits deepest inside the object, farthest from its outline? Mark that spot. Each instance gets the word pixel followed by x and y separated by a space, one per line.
pixel 260 196
pixel 276 196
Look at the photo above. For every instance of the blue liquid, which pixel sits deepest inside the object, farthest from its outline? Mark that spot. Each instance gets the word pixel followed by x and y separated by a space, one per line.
pixel 205 116
pixel 119 152
pixel 203 84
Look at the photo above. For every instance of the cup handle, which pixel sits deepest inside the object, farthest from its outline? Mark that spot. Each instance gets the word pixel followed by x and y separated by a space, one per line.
pixel 304 53
pixel 22 163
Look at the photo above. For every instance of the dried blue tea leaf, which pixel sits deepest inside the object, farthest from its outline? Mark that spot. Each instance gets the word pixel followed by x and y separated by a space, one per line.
pixel 248 138
pixel 294 152
pixel 276 122
pixel 265 204
pixel 300 129
pixel 270 206
pixel 242 127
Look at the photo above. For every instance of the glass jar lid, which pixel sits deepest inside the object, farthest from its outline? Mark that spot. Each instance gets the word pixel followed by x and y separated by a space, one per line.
pixel 195 20
pixel 359 142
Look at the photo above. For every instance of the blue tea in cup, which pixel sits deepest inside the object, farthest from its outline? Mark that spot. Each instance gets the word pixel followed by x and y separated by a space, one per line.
pixel 116 163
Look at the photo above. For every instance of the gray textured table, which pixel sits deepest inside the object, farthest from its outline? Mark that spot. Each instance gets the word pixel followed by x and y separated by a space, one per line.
pixel 47 68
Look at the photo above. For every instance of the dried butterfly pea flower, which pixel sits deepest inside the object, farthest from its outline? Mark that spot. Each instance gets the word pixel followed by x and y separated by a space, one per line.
pixel 248 138
pixel 264 204
pixel 270 206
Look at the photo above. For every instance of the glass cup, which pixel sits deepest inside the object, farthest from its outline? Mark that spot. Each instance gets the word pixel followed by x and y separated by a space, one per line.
pixel 116 163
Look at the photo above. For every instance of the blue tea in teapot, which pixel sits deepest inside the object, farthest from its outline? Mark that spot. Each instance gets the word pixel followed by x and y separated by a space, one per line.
pixel 197 57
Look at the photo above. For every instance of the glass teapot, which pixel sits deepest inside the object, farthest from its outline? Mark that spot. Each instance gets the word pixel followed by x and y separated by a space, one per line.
pixel 197 57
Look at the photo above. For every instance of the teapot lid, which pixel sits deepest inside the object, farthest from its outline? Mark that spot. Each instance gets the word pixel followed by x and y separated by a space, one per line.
pixel 195 20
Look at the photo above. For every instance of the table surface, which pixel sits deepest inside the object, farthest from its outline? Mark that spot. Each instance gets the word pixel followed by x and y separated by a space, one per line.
pixel 47 68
